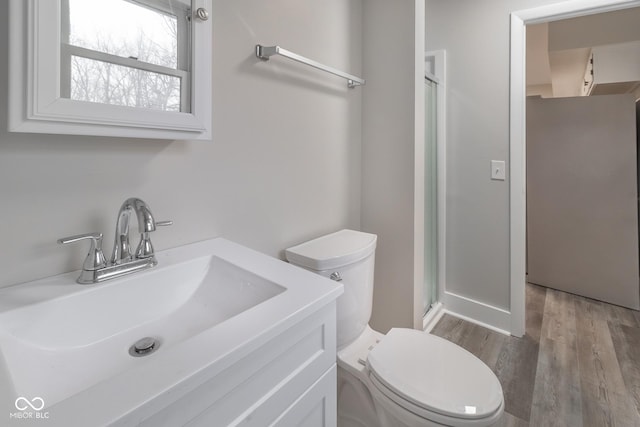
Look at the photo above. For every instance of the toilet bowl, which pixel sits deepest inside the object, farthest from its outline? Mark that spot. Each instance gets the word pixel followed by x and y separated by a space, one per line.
pixel 406 378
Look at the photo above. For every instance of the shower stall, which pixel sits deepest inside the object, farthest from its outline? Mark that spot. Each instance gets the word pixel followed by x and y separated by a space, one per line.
pixel 434 188
pixel 430 291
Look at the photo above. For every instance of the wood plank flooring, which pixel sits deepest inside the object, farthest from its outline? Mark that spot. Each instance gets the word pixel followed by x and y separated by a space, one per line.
pixel 577 365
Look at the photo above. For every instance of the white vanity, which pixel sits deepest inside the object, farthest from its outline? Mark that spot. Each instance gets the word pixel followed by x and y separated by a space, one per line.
pixel 240 338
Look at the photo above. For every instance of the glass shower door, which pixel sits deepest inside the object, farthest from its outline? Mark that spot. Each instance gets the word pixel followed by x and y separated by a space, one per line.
pixel 431 198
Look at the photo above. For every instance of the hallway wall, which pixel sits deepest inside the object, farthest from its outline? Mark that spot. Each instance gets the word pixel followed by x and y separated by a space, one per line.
pixel 582 197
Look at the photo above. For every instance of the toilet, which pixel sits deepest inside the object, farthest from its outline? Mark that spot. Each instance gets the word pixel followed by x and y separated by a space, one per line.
pixel 406 378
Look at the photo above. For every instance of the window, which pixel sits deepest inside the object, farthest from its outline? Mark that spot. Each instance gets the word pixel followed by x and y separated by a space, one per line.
pixel 111 67
pixel 126 53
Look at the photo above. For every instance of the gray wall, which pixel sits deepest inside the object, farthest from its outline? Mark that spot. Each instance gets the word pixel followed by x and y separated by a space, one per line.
pixel 475 35
pixel 389 145
pixel 582 216
pixel 595 30
pixel 283 166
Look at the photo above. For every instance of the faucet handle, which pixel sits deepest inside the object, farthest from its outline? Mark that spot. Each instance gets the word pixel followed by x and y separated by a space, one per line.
pixel 95 258
pixel 145 248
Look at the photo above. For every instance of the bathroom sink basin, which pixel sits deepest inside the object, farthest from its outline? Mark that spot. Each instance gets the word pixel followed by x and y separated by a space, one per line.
pixel 62 341
pixel 74 332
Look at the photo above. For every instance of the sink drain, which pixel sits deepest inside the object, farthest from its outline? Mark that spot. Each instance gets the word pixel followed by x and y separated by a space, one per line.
pixel 144 347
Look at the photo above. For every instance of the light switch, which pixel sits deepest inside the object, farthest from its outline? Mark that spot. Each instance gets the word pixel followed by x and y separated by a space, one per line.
pixel 497 170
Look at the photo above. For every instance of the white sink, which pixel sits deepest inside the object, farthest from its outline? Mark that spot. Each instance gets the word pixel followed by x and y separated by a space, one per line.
pixel 67 343
pixel 75 331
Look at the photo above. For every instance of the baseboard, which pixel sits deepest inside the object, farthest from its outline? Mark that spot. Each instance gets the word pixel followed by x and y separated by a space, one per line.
pixel 432 317
pixel 494 318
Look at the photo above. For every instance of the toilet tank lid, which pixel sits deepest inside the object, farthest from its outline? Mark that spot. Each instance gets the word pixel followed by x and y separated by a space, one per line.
pixel 334 250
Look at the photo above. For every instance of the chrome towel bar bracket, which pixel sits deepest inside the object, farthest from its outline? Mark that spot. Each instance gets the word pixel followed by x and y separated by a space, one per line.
pixel 265 52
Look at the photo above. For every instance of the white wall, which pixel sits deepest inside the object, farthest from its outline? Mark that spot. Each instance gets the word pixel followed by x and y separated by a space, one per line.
pixel 538 67
pixel 545 91
pixel 476 37
pixel 595 30
pixel 392 141
pixel 284 164
pixel 617 63
pixel 568 71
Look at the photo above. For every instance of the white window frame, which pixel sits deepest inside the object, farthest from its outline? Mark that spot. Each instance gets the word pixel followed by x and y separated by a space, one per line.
pixel 36 104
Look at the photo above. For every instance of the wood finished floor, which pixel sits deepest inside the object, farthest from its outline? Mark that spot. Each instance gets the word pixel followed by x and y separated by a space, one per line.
pixel 577 365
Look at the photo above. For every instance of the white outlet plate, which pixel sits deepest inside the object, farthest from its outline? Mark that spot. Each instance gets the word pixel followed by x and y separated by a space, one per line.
pixel 498 170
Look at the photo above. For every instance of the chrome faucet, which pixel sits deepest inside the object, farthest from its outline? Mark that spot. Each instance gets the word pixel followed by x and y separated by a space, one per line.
pixel 95 268
pixel 146 224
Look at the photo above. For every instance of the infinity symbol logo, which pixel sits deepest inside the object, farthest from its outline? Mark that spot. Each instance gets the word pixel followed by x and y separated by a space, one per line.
pixel 22 403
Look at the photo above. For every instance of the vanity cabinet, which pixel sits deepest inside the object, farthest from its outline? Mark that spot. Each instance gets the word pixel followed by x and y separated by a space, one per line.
pixel 288 380
pixel 241 338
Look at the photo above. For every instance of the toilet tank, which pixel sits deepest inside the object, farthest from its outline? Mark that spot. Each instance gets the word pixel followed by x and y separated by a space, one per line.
pixel 347 256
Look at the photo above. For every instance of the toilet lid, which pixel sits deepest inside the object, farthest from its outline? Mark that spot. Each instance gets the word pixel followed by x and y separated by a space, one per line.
pixel 435 374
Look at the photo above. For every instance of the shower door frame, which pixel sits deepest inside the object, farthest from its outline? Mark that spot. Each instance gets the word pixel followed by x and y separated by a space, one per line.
pixel 431 317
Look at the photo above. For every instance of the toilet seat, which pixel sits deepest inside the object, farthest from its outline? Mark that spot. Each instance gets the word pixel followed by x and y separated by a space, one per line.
pixel 434 378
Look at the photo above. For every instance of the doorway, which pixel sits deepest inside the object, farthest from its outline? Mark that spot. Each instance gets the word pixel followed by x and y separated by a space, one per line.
pixel 517 147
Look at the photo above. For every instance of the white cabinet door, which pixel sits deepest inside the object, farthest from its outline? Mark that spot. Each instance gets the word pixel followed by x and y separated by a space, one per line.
pixel 317 407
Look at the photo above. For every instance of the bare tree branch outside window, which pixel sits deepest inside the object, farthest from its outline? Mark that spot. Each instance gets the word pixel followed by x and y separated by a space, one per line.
pixel 103 82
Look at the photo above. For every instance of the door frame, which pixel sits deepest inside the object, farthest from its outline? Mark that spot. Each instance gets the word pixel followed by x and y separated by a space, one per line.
pixel 517 134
